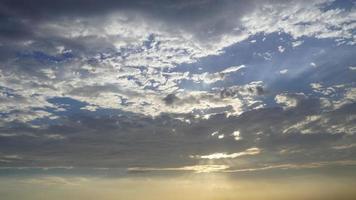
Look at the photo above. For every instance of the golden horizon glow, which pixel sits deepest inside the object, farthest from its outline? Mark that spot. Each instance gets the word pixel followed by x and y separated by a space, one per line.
pixel 188 187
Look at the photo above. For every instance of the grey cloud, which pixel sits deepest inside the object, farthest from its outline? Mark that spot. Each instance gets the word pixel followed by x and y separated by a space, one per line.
pixel 96 90
pixel 217 95
pixel 208 21
pixel 170 99
pixel 196 15
pixel 233 92
pixel 131 140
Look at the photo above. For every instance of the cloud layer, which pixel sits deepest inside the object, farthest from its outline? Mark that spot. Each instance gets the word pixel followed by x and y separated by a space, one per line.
pixel 190 85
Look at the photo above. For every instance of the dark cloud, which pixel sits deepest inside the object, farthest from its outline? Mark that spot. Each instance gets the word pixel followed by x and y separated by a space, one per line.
pixel 234 92
pixel 183 13
pixel 214 96
pixel 170 99
pixel 259 90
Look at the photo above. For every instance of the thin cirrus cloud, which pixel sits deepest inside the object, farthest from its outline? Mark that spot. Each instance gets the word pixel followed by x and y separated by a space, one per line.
pixel 250 151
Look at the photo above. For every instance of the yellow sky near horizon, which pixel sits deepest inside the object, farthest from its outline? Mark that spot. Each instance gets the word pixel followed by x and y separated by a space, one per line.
pixel 187 187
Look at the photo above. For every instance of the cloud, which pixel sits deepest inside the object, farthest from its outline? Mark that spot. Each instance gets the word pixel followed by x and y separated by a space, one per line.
pixel 283 71
pixel 121 54
pixel 169 141
pixel 311 21
pixel 170 99
pixel 281 49
pixel 93 84
pixel 250 151
pixel 226 169
pixel 296 166
pixel 232 69
pixel 236 135
pixel 297 43
pixel 344 146
pixel 233 100
pixel 253 88
pixel 210 78
pixel 289 100
pixel 194 168
pixel 56 181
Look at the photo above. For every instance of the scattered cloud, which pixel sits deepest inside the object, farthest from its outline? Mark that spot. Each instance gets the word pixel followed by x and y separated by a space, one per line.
pixel 93 84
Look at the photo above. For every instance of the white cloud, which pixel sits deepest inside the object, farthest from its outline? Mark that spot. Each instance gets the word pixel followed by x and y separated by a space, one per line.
pixel 313 64
pixel 214 77
pixel 289 100
pixel 302 19
pixel 314 124
pixel 351 94
pixel 284 71
pixel 303 126
pixel 316 85
pixel 236 135
pixel 281 49
pixel 341 147
pixel 134 54
pixel 250 151
pixel 349 97
pixel 208 77
pixel 233 69
pixel 215 133
pixel 297 43
pixel 227 169
pixel 310 165
pixel 195 168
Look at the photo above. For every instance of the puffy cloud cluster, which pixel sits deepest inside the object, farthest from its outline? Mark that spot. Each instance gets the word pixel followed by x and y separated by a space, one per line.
pixel 122 53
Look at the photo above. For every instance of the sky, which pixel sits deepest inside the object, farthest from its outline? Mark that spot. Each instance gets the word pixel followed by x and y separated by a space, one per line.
pixel 154 99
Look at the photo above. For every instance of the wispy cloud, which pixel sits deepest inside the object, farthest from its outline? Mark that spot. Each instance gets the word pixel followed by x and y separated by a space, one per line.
pixel 250 151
